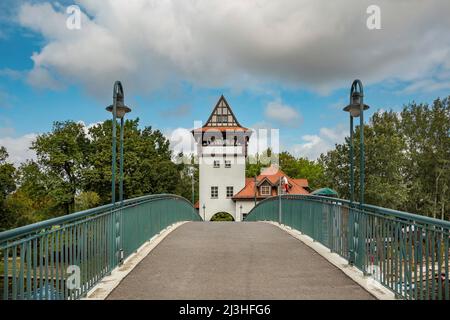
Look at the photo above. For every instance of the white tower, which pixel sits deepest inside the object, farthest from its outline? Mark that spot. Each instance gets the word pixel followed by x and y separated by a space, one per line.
pixel 222 151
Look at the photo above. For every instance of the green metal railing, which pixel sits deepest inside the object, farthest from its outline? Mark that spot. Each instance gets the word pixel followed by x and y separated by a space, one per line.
pixel 63 258
pixel 407 253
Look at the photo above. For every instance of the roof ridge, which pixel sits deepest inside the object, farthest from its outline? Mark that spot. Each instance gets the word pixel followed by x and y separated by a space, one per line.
pixel 222 98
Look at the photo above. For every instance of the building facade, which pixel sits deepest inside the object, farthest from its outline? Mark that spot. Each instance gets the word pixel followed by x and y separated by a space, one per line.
pixel 271 182
pixel 222 147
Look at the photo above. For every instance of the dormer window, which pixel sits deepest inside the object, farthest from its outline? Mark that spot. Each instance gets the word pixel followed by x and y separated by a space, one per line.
pixel 265 190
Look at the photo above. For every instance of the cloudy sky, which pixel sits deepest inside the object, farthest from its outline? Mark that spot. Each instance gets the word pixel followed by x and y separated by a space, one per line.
pixel 281 64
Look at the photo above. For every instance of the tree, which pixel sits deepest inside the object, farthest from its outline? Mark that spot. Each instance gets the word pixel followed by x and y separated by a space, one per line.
pixel 7 172
pixel 62 154
pixel 148 165
pixel 187 166
pixel 336 169
pixel 384 161
pixel 7 186
pixel 86 200
pixel 407 160
pixel 253 166
pixel 222 216
pixel 37 186
pixel 301 168
pixel 427 169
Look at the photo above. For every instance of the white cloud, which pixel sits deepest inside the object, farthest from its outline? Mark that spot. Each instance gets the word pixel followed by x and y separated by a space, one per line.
pixel 86 127
pixel 427 85
pixel 235 43
pixel 19 148
pixel 283 114
pixel 314 145
pixel 181 140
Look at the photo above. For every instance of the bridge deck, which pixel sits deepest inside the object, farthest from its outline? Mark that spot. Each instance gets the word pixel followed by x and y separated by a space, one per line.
pixel 224 260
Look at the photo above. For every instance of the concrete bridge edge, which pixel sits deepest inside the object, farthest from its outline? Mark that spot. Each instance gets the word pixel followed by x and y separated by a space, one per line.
pixel 366 282
pixel 104 288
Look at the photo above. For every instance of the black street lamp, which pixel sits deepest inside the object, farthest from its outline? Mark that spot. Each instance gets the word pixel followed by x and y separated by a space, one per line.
pixel 204 215
pixel 356 109
pixel 118 109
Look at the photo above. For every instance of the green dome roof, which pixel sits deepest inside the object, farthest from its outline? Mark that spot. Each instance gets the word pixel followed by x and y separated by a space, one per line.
pixel 325 192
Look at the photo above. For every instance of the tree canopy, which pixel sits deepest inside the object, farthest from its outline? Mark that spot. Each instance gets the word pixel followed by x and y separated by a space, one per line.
pixel 72 171
pixel 407 157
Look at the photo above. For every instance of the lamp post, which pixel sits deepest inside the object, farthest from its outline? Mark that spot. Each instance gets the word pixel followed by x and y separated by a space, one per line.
pixel 279 202
pixel 240 213
pixel 204 214
pixel 356 109
pixel 118 109
pixel 191 173
pixel 255 188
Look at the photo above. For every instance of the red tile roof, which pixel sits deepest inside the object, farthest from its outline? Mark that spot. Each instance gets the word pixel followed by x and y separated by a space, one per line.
pixel 302 182
pixel 272 176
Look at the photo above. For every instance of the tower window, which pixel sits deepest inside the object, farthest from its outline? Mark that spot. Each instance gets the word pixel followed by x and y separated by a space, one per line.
pixel 230 192
pixel 216 164
pixel 214 192
pixel 227 163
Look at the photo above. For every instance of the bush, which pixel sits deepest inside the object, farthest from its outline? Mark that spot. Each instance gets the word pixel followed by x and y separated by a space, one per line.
pixel 222 216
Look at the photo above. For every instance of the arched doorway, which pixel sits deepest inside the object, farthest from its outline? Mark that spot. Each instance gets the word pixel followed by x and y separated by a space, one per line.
pixel 222 216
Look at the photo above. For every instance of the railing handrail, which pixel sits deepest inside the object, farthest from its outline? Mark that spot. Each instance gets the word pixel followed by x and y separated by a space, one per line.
pixel 17 232
pixel 380 210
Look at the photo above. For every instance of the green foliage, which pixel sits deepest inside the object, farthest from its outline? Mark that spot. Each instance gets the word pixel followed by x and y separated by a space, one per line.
pixel 62 156
pixel 222 216
pixel 301 168
pixel 148 165
pixel 189 170
pixel 255 164
pixel 7 171
pixel 407 159
pixel 297 168
pixel 73 171
pixel 7 185
pixel 86 200
pixel 19 208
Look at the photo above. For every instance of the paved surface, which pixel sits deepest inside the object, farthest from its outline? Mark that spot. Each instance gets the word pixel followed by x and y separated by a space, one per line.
pixel 229 260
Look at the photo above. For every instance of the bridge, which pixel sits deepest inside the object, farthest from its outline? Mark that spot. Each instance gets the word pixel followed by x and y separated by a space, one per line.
pixel 277 253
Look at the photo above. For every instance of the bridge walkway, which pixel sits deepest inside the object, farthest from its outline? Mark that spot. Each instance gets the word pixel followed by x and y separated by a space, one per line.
pixel 232 260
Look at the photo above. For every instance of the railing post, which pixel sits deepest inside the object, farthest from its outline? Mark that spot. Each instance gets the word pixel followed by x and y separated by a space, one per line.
pixel 351 235
pixel 362 241
pixel 279 205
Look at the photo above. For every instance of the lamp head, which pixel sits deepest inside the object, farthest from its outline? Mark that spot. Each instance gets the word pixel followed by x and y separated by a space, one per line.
pixel 120 111
pixel 119 98
pixel 356 100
